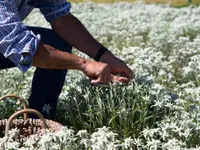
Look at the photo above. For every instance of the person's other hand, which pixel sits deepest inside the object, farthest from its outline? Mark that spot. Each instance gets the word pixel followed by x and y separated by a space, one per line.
pixel 118 68
pixel 98 72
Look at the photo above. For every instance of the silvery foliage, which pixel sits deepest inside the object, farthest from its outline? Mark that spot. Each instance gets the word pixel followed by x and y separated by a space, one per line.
pixel 162 45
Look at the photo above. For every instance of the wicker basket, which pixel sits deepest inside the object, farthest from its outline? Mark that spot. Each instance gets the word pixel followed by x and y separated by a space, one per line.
pixel 15 97
pixel 27 127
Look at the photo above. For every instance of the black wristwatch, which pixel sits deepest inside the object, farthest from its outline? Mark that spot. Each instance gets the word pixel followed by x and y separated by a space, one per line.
pixel 100 52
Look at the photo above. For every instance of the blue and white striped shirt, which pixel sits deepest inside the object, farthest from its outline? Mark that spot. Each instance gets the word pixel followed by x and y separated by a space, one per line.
pixel 17 43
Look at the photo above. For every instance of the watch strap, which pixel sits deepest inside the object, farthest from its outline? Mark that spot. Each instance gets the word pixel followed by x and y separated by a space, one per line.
pixel 100 52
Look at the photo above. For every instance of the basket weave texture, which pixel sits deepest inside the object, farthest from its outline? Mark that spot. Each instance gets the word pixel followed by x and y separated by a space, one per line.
pixel 27 126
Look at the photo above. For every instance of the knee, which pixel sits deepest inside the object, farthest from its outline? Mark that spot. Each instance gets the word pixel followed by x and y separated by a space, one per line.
pixel 50 37
pixel 60 44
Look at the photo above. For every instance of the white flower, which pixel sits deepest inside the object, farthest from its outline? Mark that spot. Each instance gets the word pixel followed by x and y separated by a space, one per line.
pixel 46 108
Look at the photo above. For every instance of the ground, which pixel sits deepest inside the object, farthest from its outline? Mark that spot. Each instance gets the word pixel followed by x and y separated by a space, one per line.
pixel 176 3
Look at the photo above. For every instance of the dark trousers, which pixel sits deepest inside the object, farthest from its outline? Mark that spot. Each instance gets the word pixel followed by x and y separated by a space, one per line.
pixel 47 83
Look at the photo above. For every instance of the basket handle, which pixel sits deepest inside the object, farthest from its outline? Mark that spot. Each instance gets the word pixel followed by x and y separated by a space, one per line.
pixel 19 98
pixel 32 111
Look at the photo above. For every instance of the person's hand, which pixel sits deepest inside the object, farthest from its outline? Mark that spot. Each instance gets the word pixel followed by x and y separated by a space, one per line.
pixel 98 72
pixel 118 68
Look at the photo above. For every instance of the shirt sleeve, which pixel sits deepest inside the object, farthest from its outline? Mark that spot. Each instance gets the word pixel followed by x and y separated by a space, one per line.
pixel 53 9
pixel 17 43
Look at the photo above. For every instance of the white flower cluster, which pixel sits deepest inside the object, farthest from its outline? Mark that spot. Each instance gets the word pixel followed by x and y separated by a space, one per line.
pixel 159 110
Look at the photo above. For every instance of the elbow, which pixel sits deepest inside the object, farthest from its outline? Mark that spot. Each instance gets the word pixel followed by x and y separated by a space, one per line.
pixel 44 56
pixel 61 22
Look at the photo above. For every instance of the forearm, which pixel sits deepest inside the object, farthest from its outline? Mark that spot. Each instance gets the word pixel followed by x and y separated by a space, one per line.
pixel 51 58
pixel 73 32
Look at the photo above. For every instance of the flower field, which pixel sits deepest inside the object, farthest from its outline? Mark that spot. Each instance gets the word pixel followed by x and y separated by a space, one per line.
pixel 174 3
pixel 158 110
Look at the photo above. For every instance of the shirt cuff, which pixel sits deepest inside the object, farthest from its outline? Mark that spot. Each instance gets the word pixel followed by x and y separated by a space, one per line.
pixel 24 59
pixel 59 11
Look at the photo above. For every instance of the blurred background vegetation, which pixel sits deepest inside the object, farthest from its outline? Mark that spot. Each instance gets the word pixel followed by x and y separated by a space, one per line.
pixel 174 3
